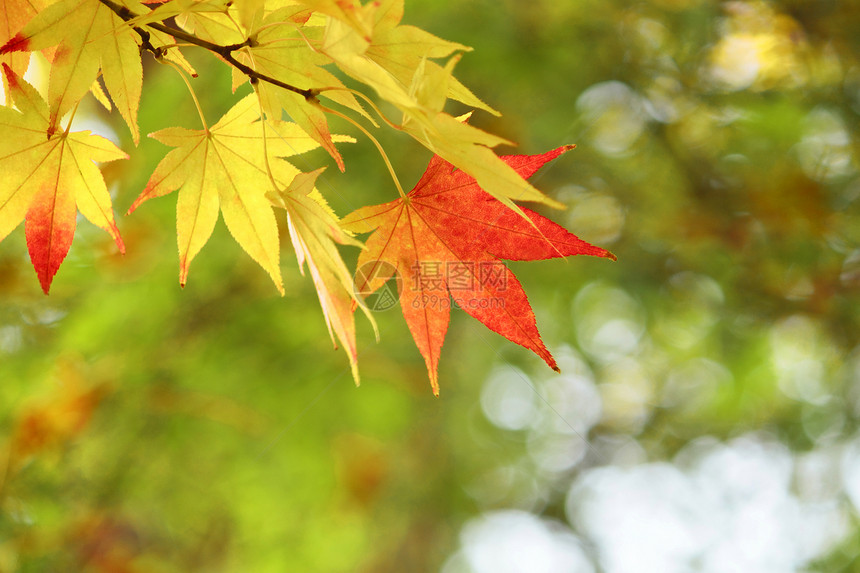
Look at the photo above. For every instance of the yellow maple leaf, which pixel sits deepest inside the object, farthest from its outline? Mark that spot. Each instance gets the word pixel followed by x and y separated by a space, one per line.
pixel 14 15
pixel 393 55
pixel 314 231
pixel 279 49
pixel 46 177
pixel 224 168
pixel 464 146
pixel 400 50
pixel 217 169
pixel 91 37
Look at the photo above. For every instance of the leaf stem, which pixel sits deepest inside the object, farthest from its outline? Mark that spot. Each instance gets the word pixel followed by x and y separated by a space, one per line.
pixel 265 141
pixel 369 102
pixel 375 142
pixel 193 95
pixel 71 118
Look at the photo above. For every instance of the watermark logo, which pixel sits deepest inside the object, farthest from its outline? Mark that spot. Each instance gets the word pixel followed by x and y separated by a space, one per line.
pixel 387 295
pixel 431 284
pixel 459 276
pixel 436 302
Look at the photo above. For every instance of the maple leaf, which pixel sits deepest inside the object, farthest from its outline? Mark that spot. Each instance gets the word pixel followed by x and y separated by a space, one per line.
pixel 219 169
pixel 14 14
pixel 401 49
pixel 208 20
pixel 314 230
pixel 395 61
pixel 348 36
pixel 91 38
pixel 46 177
pixel 280 49
pixel 275 45
pixel 465 146
pixel 225 168
pixel 447 238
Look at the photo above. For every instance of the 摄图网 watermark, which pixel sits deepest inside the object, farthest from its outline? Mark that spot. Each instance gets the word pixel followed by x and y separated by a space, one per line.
pixel 469 285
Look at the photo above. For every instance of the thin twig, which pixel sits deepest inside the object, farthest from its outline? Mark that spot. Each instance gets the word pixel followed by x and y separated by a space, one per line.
pixel 226 52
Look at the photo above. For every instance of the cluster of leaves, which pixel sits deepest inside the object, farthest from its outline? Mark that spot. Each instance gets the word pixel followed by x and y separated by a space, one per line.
pixel 461 211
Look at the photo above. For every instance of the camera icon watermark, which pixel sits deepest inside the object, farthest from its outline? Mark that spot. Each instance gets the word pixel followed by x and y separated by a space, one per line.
pixel 386 296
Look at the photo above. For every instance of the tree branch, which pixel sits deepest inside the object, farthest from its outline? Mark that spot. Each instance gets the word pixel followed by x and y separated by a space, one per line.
pixel 226 52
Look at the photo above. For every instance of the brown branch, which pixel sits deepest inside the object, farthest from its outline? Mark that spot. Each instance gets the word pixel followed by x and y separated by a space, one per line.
pixel 225 52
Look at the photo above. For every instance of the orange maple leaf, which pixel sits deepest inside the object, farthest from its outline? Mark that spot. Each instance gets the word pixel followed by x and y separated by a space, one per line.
pixel 47 176
pixel 446 239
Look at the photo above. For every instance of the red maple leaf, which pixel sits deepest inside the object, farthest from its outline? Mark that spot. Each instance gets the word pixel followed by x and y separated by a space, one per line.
pixel 446 239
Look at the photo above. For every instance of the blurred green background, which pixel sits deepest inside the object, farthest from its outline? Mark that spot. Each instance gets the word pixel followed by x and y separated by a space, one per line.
pixel 706 415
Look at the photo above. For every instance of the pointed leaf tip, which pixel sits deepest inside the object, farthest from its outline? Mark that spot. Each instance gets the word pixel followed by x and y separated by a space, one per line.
pixel 16 44
pixel 14 81
pixel 548 358
pixel 49 229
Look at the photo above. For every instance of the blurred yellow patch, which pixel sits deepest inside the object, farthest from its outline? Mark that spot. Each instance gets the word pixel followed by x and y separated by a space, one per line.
pixel 760 49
